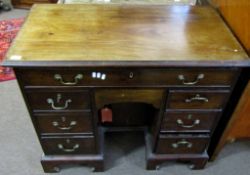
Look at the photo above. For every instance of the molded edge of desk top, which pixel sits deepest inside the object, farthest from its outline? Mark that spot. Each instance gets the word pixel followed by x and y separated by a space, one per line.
pixel 245 63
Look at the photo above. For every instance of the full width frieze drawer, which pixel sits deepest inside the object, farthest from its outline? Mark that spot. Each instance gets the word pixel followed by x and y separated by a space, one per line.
pixel 128 76
pixel 197 99
pixel 182 144
pixel 64 123
pixel 189 121
pixel 58 100
pixel 69 145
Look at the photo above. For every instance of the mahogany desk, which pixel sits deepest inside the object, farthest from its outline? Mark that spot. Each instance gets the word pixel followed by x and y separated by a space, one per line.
pixel 88 69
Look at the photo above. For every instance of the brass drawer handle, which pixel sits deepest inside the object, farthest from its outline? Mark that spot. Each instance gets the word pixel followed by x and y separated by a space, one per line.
pixel 59 78
pixel 76 146
pixel 198 78
pixel 51 102
pixel 196 98
pixel 71 125
pixel 181 123
pixel 182 142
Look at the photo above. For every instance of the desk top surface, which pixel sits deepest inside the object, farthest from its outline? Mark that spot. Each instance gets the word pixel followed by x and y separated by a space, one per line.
pixel 124 33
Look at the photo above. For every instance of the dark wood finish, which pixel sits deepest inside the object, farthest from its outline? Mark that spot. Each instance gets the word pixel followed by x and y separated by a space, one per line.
pixel 53 164
pixel 185 144
pixel 69 145
pixel 79 100
pixel 137 114
pixel 64 123
pixel 191 121
pixel 149 60
pixel 26 4
pixel 131 77
pixel 154 161
pixel 185 99
pixel 109 96
pixel 94 41
pixel 159 64
pixel 196 162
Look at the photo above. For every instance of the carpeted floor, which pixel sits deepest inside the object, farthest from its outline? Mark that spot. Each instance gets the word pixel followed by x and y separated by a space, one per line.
pixel 125 154
pixel 8 31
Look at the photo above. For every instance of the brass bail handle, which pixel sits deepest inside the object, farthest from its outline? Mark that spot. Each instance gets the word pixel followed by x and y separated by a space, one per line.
pixel 69 127
pixel 185 82
pixel 181 123
pixel 197 97
pixel 182 142
pixel 53 106
pixel 59 78
pixel 74 148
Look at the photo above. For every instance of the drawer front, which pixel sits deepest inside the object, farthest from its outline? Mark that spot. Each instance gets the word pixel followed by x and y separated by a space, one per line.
pixel 170 144
pixel 58 100
pixel 112 96
pixel 65 123
pixel 127 77
pixel 69 145
pixel 197 99
pixel 189 121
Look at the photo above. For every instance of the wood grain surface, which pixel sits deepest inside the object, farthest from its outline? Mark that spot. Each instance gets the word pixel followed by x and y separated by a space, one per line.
pixel 124 33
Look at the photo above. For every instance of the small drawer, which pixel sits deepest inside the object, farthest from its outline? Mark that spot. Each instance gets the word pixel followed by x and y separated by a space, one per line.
pixel 127 77
pixel 182 144
pixel 69 145
pixel 197 99
pixel 58 100
pixel 64 123
pixel 189 121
